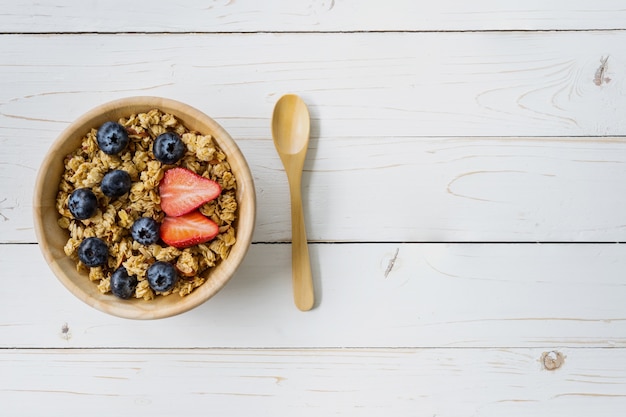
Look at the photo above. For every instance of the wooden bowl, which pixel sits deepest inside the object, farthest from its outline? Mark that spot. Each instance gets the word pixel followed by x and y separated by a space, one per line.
pixel 52 238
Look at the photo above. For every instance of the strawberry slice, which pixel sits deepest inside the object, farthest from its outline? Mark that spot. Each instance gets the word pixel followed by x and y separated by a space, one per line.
pixel 188 230
pixel 182 191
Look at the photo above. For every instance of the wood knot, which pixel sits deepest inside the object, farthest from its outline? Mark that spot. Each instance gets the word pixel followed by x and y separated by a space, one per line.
pixel 552 360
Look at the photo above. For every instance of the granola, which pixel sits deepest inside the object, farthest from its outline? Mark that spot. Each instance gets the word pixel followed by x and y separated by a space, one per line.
pixel 86 166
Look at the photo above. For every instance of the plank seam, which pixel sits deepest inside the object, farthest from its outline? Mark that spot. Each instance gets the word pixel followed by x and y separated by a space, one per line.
pixel 294 32
pixel 313 348
pixel 414 242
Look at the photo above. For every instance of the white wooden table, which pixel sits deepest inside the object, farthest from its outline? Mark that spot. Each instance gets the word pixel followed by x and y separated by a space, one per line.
pixel 465 196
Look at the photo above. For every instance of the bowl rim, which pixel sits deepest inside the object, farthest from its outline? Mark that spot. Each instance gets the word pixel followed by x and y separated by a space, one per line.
pixel 246 196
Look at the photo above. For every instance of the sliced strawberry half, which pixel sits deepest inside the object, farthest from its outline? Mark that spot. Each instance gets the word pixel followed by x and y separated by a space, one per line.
pixel 182 191
pixel 188 230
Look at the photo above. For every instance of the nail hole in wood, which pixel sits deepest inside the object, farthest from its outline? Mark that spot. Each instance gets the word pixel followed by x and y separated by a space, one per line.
pixel 65 332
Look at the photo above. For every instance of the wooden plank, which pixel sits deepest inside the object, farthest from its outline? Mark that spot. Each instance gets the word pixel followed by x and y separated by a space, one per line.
pixel 313 382
pixel 423 121
pixel 433 295
pixel 319 15
pixel 357 85
pixel 415 189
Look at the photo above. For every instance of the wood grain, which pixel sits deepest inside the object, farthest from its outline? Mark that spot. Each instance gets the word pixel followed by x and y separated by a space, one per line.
pixel 308 16
pixel 369 295
pixel 461 138
pixel 436 189
pixel 358 85
pixel 449 121
pixel 431 189
pixel 355 382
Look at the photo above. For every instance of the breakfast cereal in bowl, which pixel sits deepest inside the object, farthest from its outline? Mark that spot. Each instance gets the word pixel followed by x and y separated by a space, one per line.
pixel 151 207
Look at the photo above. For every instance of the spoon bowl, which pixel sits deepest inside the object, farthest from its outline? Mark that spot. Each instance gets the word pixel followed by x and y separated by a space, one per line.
pixel 290 130
pixel 291 125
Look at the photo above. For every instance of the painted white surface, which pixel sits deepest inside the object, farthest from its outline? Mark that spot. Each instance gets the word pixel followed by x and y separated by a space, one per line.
pixel 270 382
pixel 416 136
pixel 454 123
pixel 452 295
pixel 307 15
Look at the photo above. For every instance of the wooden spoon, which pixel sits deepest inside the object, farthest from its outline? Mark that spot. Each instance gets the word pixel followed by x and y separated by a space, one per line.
pixel 290 129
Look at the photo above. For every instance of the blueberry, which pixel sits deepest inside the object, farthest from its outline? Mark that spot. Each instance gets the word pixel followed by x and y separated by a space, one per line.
pixel 162 276
pixel 122 284
pixel 93 252
pixel 168 148
pixel 112 138
pixel 115 183
pixel 145 230
pixel 82 203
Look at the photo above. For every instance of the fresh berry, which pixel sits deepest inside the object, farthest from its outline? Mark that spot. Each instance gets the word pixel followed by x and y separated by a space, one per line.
pixel 82 203
pixel 112 138
pixel 93 252
pixel 168 148
pixel 188 230
pixel 162 276
pixel 182 191
pixel 145 230
pixel 122 284
pixel 115 183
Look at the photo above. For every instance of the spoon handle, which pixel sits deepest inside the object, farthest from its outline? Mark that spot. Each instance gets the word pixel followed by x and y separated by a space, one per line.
pixel 303 292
